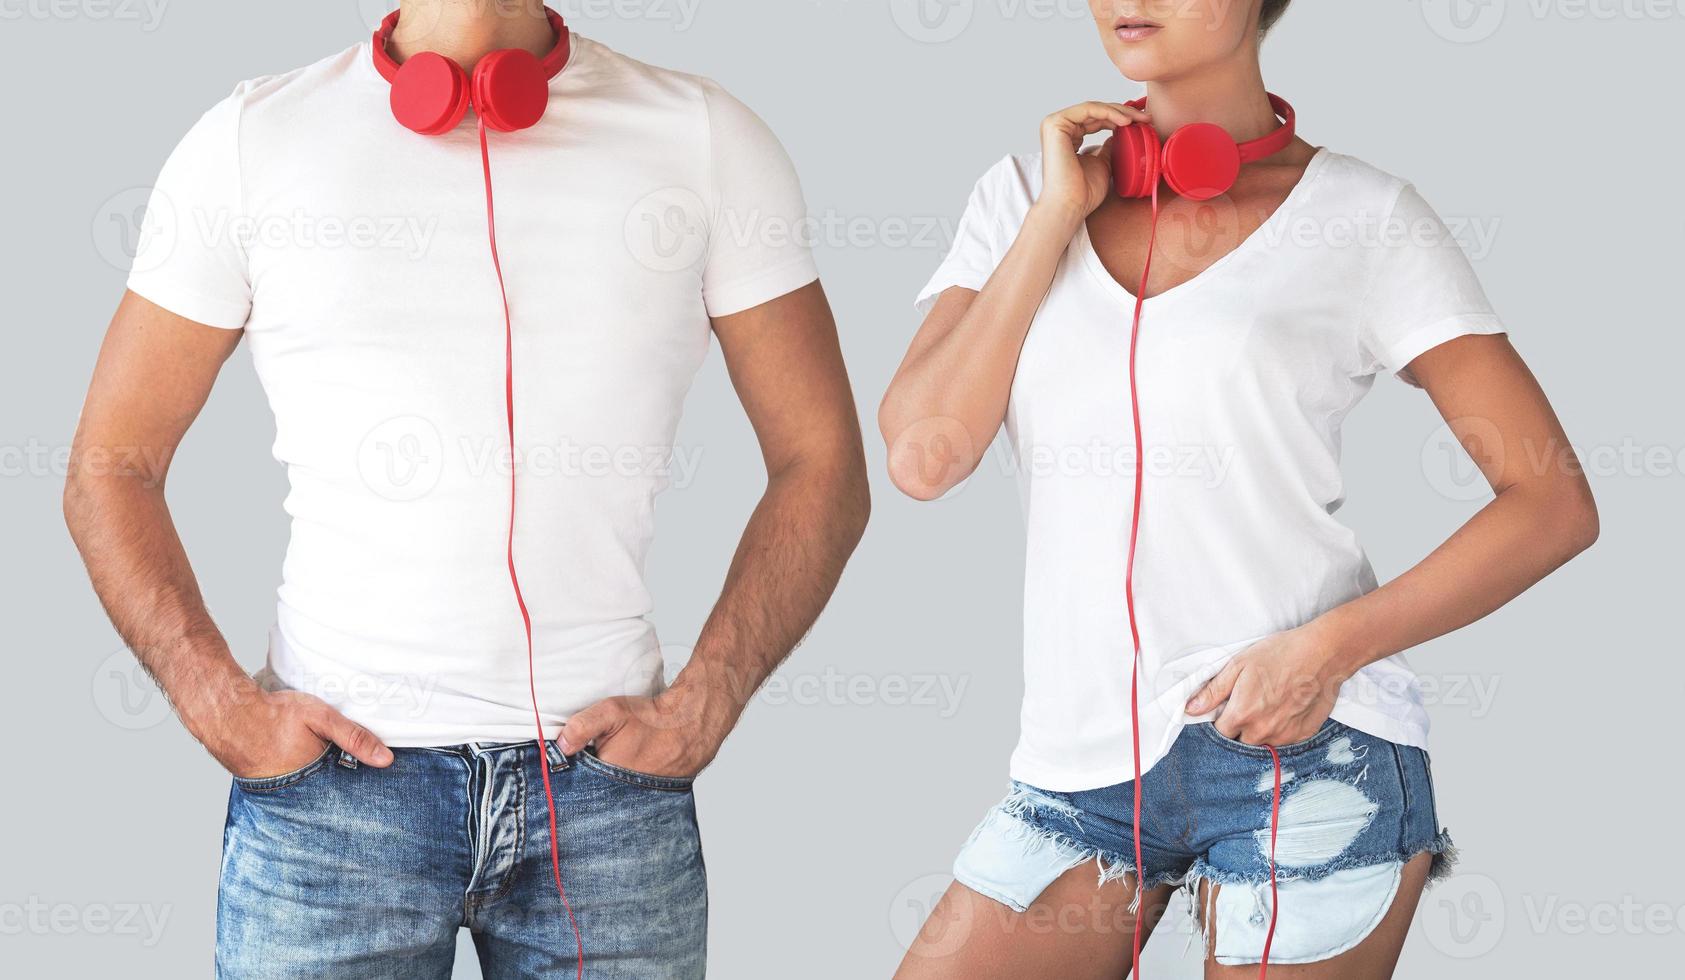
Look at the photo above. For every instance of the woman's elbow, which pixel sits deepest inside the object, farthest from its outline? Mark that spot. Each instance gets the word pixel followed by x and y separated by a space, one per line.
pixel 929 458
pixel 907 473
pixel 1580 521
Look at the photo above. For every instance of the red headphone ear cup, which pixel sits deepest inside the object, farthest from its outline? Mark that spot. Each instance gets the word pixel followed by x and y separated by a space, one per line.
pixel 429 94
pixel 510 90
pixel 1201 161
pixel 1135 160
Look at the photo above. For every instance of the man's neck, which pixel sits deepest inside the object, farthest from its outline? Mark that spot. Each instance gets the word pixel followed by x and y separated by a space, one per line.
pixel 467 30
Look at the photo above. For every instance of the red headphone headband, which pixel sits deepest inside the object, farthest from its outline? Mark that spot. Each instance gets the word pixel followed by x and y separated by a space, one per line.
pixel 1199 161
pixel 1264 146
pixel 509 88
pixel 551 64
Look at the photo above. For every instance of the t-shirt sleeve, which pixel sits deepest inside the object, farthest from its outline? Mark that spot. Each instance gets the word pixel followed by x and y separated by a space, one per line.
pixel 978 246
pixel 1423 291
pixel 190 259
pixel 758 247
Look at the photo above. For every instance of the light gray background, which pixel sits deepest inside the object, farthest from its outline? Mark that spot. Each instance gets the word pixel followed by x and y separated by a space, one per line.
pixel 834 812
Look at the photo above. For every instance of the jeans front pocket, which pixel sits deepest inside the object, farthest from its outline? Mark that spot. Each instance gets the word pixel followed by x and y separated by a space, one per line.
pixel 1329 729
pixel 270 784
pixel 671 784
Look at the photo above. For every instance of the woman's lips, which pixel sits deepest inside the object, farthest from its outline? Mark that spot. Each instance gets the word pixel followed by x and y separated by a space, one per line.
pixel 1136 30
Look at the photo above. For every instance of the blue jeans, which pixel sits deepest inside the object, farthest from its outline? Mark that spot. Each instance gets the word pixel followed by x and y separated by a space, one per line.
pixel 1354 809
pixel 341 870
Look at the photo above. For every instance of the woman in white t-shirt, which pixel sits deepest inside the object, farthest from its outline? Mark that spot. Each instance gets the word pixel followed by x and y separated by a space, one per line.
pixel 1269 311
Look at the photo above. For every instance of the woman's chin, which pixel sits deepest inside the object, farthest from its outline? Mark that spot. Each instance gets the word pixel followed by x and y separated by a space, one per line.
pixel 1141 66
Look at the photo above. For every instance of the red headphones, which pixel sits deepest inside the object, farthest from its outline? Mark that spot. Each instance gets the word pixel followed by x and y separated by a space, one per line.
pixel 510 89
pixel 1198 161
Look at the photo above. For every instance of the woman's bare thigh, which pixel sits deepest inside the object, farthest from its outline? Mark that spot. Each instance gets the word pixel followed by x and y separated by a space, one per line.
pixel 1073 931
pixel 1372 959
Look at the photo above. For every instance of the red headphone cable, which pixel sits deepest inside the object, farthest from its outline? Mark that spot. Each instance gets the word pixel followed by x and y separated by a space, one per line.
pixel 1129 593
pixel 509 550
pixel 1135 637
pixel 1275 825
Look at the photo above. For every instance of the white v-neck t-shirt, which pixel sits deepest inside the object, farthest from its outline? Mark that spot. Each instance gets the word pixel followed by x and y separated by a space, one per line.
pixel 1246 372
pixel 354 254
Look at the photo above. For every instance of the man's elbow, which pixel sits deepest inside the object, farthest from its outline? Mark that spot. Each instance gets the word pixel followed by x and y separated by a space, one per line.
pixel 68 504
pixel 858 497
pixel 97 488
pixel 849 492
pixel 79 504
pixel 836 479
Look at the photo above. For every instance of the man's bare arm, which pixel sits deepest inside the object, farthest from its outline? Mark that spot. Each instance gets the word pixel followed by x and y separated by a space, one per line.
pixel 154 374
pixel 787 368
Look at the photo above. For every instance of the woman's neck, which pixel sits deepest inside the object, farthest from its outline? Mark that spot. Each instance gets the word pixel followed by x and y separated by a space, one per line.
pixel 467 30
pixel 1230 94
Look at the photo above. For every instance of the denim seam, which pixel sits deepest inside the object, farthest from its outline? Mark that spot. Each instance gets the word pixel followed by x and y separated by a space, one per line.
pixel 1403 782
pixel 1433 794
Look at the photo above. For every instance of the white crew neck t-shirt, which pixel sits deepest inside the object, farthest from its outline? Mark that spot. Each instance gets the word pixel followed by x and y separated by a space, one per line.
pixel 354 254
pixel 1246 373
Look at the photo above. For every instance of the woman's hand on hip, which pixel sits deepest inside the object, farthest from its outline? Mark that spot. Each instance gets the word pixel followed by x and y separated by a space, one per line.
pixel 1074 182
pixel 1278 691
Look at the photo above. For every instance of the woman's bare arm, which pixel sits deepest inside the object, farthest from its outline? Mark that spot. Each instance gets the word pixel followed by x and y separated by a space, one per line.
pixel 949 396
pixel 1280 690
pixel 1542 515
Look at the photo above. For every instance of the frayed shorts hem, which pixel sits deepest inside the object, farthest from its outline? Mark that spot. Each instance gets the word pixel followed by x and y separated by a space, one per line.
pixel 1012 857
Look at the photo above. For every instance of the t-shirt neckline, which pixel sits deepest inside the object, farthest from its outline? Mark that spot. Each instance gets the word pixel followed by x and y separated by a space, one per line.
pixel 1122 294
pixel 365 55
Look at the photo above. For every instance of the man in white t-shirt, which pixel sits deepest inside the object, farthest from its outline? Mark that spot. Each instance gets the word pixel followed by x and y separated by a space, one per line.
pixel 390 785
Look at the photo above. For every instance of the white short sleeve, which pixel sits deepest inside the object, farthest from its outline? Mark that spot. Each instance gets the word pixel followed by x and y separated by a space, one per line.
pixel 1423 293
pixel 759 245
pixel 190 259
pixel 978 240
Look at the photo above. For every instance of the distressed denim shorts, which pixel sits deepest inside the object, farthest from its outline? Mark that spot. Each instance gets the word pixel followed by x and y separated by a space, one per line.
pixel 1354 809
